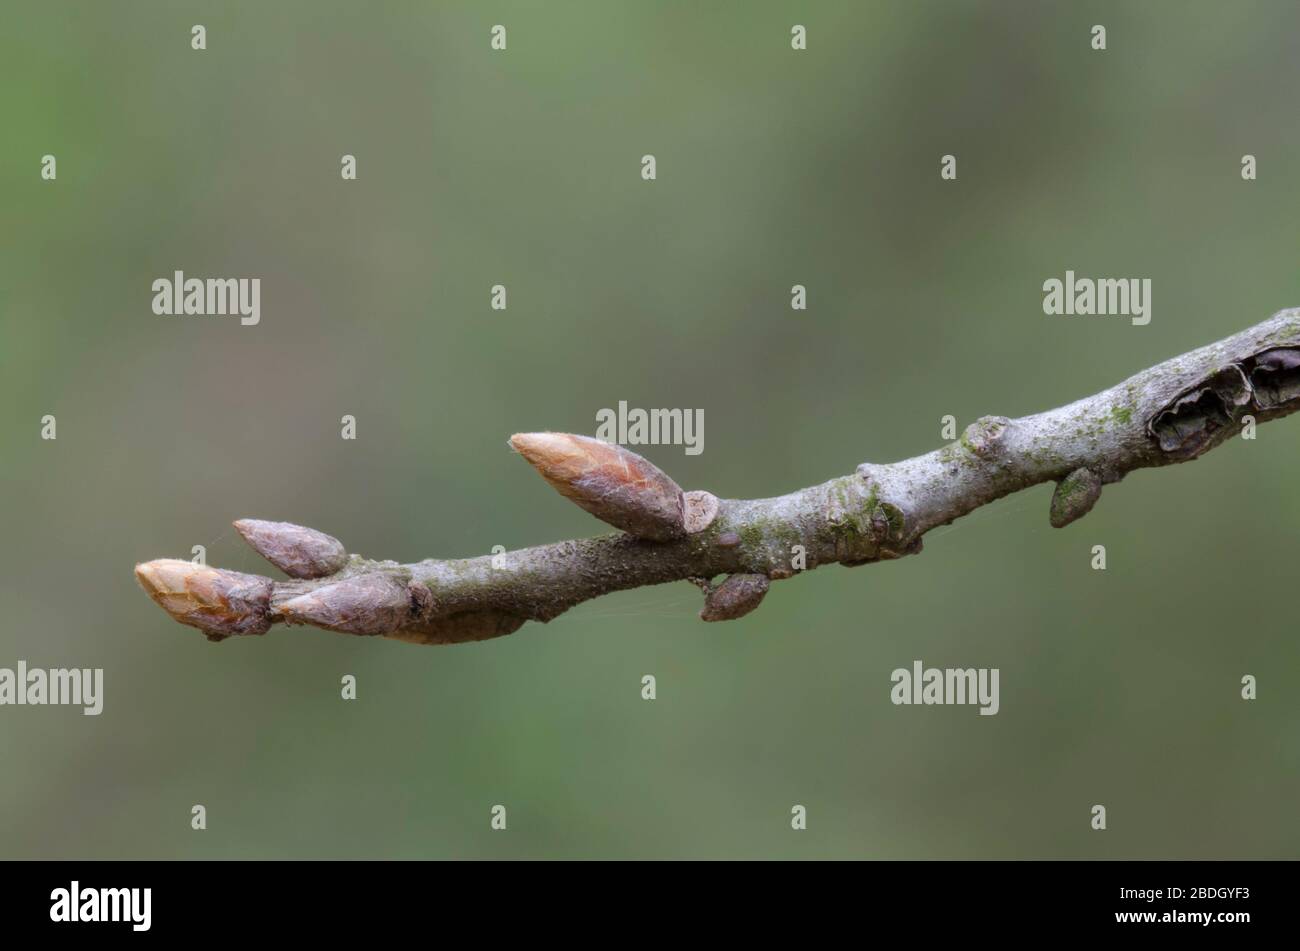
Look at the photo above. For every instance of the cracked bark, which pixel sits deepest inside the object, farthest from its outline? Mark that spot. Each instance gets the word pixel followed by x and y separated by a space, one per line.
pixel 1171 413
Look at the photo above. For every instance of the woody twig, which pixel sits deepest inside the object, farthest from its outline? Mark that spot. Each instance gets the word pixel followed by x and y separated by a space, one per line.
pixel 1171 413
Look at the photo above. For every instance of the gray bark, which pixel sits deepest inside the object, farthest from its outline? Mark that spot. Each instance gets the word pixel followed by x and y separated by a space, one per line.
pixel 1170 413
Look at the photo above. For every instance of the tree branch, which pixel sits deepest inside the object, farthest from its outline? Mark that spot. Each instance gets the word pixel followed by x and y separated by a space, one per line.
pixel 1170 413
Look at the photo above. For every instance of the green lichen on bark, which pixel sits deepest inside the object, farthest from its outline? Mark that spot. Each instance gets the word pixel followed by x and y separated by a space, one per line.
pixel 1163 415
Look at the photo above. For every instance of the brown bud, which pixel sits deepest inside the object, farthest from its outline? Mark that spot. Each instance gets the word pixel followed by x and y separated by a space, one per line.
pixel 1074 497
pixel 734 598
pixel 220 603
pixel 701 509
pixel 370 604
pixel 616 486
pixel 297 551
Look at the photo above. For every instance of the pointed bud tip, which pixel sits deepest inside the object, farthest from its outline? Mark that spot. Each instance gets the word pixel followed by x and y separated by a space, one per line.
pixel 519 441
pixel 555 455
pixel 220 603
pixel 612 483
pixel 298 551
pixel 162 574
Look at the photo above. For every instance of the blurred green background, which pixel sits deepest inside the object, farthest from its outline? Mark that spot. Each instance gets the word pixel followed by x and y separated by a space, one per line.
pixel 1118 687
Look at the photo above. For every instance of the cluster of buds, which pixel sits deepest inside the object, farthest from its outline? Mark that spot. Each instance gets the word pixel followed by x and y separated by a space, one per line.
pixel 224 603
pixel 353 597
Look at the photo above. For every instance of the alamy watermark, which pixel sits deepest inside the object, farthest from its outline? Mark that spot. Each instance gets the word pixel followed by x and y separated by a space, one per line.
pixel 75 903
pixel 213 297
pixel 948 685
pixel 654 427
pixel 1104 297
pixel 58 686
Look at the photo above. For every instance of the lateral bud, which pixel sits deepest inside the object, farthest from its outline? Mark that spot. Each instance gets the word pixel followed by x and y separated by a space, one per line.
pixel 370 604
pixel 1074 497
pixel 297 551
pixel 734 598
pixel 613 484
pixel 220 603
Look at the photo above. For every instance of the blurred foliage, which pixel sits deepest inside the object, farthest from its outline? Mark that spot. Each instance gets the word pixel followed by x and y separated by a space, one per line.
pixel 1118 687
